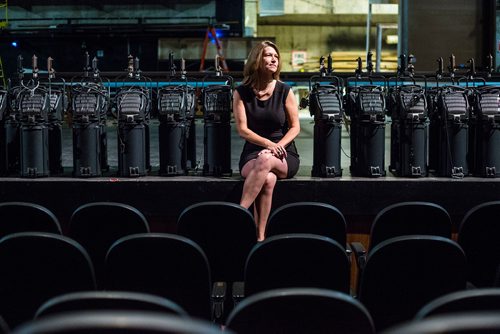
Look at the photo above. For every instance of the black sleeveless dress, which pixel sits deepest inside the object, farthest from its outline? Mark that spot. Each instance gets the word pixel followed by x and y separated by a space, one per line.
pixel 267 119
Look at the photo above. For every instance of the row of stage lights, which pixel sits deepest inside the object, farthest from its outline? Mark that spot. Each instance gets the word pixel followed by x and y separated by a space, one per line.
pixel 33 109
pixel 448 129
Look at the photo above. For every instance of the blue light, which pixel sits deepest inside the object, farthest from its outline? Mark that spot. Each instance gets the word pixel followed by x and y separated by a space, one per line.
pixel 14 44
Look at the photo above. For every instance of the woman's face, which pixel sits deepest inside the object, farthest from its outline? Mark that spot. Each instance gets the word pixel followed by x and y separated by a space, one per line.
pixel 270 59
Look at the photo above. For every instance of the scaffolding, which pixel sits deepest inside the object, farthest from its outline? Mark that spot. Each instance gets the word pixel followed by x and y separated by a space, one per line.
pixel 4 19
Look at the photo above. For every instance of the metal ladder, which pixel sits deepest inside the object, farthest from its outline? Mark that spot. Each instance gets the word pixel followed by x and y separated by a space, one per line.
pixel 211 32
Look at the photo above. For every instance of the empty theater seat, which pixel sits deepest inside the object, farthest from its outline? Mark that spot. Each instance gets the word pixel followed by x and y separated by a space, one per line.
pixel 402 274
pixel 36 266
pixel 300 310
pixel 297 260
pixel 308 217
pixel 478 235
pixel 97 225
pixel 27 217
pixel 166 265
pixel 118 322
pixel 108 300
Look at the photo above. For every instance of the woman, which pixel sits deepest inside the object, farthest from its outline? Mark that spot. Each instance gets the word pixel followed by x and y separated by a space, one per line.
pixel 266 115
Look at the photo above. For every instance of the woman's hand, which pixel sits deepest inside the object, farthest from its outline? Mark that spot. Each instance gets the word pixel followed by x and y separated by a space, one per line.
pixel 277 150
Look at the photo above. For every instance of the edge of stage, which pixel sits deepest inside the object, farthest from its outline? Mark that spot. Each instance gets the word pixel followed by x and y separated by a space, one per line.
pixel 162 199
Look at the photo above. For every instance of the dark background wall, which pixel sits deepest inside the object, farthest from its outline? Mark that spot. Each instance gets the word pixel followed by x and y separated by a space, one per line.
pixel 68 51
pixel 110 30
pixel 465 28
pixel 440 28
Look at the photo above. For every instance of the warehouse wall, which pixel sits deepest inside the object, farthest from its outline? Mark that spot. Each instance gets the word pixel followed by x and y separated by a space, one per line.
pixel 440 28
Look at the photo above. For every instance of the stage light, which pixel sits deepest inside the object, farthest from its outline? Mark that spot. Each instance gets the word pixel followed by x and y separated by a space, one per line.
pixel 14 44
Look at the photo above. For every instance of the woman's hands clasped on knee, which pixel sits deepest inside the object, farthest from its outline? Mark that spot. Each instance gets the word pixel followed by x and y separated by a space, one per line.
pixel 277 150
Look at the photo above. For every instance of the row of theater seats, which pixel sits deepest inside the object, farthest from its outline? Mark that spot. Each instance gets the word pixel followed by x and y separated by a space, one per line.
pixel 213 265
pixel 289 310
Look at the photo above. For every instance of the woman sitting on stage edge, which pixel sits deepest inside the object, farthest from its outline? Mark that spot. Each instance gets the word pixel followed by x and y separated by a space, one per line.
pixel 266 115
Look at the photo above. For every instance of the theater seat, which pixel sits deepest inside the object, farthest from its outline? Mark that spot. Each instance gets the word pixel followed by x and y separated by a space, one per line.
pixel 167 265
pixel 36 266
pixel 308 217
pixel 400 219
pixel 297 260
pixel 108 300
pixel 482 299
pixel 300 310
pixel 406 218
pixel 402 274
pixel 225 231
pixel 459 323
pixel 478 235
pixel 27 217
pixel 97 225
pixel 90 322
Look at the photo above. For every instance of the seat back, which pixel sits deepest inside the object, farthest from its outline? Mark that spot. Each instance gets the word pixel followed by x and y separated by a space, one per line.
pixel 458 323
pixel 27 217
pixel 407 218
pixel 402 274
pixel 108 300
pixel 297 260
pixel 4 327
pixel 166 265
pixel 97 225
pixel 483 299
pixel 226 233
pixel 478 235
pixel 117 321
pixel 300 310
pixel 308 217
pixel 37 266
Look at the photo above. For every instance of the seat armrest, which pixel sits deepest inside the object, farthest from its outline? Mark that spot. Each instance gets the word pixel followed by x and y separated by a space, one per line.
pixel 359 252
pixel 357 248
pixel 348 252
pixel 348 249
pixel 218 296
pixel 238 292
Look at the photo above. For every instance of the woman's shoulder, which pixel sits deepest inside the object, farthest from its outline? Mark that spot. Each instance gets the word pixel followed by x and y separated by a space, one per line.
pixel 283 85
pixel 243 90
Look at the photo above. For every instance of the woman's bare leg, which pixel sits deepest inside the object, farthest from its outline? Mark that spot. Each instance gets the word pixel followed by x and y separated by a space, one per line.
pixel 255 174
pixel 263 204
pixel 260 176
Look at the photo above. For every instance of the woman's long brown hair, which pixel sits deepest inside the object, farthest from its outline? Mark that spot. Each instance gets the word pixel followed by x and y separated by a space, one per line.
pixel 253 66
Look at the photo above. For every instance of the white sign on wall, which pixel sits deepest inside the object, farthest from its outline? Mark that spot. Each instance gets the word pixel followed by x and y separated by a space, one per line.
pixel 299 58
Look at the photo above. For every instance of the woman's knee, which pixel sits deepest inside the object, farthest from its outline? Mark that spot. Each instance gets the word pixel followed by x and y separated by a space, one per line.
pixel 264 162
